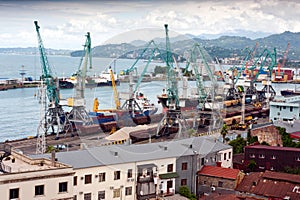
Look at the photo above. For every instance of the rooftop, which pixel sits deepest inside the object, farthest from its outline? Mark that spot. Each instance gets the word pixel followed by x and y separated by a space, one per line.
pixel 116 154
pixel 17 162
pixel 219 172
pixel 272 148
pixel 270 184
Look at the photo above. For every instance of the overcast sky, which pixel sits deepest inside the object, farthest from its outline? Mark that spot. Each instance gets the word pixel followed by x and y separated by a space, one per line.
pixel 64 23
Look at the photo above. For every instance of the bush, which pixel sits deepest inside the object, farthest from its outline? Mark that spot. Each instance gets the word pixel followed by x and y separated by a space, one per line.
pixel 184 191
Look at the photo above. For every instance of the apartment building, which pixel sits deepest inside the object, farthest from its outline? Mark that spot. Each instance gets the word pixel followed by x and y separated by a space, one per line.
pixel 272 158
pixel 140 172
pixel 22 177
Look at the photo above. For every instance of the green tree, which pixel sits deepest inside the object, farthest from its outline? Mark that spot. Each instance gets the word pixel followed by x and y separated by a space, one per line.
pixel 224 132
pixel 251 165
pixel 238 144
pixel 287 141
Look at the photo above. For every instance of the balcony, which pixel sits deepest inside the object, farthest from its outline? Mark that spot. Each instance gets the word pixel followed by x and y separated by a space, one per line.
pixel 145 178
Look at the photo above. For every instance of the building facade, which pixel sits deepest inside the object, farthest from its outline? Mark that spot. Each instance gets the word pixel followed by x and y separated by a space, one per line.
pixel 272 158
pixel 130 172
pixel 22 177
pixel 285 108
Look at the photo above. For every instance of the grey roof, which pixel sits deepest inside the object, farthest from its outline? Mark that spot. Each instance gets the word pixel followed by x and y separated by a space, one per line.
pixel 105 155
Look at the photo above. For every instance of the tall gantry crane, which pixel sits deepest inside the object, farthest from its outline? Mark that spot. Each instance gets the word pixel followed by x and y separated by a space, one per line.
pixel 210 97
pixel 78 112
pixel 173 120
pixel 54 117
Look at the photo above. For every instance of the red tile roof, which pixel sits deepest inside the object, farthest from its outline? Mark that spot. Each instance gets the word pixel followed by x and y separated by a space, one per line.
pixel 295 135
pixel 219 172
pixel 270 184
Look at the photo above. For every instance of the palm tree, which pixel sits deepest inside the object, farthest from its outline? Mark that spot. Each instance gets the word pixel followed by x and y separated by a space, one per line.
pixel 224 132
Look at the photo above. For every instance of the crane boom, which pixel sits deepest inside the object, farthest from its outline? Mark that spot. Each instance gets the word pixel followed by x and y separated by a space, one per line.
pixel 47 76
pixel 78 111
pixel 116 96
pixel 54 116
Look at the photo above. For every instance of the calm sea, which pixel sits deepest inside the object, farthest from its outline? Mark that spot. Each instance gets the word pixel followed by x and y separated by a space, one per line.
pixel 20 110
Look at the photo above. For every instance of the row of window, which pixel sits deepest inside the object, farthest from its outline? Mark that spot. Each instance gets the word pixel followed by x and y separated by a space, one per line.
pixel 273 157
pixel 117 175
pixel 39 190
pixel 101 194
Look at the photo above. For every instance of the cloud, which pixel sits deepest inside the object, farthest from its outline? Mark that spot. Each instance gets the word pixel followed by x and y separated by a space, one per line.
pixel 64 23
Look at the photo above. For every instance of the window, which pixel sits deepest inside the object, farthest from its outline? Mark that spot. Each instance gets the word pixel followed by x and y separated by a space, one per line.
pixel 229 155
pixel 87 196
pixel 117 175
pixel 261 156
pixel 291 109
pixel 225 155
pixel 184 166
pixel 183 182
pixel 129 173
pixel 252 155
pixel 63 187
pixel 202 161
pixel 170 168
pixel 102 177
pixel 128 191
pixel 220 184
pixel 116 193
pixel 88 179
pixel 297 158
pixel 75 180
pixel 14 193
pixel 75 197
pixel 101 195
pixel 39 190
pixel 273 157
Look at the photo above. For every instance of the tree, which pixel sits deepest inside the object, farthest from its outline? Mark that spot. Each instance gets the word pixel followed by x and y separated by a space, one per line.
pixel 224 132
pixel 184 191
pixel 238 144
pixel 251 165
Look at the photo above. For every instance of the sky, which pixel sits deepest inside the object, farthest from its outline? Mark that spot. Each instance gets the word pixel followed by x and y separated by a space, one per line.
pixel 64 23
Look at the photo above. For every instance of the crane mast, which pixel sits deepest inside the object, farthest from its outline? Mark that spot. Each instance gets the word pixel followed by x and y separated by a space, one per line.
pixel 54 116
pixel 78 112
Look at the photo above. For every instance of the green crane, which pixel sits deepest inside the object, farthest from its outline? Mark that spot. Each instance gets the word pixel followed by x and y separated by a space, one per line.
pixel 54 116
pixel 78 112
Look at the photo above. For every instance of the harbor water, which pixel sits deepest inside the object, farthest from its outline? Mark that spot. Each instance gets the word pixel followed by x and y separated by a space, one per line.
pixel 20 111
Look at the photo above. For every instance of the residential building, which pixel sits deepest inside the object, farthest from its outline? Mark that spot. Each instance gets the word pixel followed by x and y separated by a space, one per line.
pixel 285 108
pixel 218 178
pixel 270 185
pixel 154 167
pixel 22 177
pixel 266 133
pixel 272 158
pixel 141 172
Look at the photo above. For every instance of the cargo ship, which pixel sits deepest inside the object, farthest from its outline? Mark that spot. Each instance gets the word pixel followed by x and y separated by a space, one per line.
pixel 103 79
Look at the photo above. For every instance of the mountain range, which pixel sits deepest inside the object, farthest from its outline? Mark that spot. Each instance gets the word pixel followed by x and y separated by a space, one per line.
pixel 224 46
pixel 221 47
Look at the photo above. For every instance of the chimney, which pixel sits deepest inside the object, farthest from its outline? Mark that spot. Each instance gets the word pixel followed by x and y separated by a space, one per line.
pixel 53 158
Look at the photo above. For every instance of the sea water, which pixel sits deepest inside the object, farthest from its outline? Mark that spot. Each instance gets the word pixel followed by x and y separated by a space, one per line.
pixel 20 111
